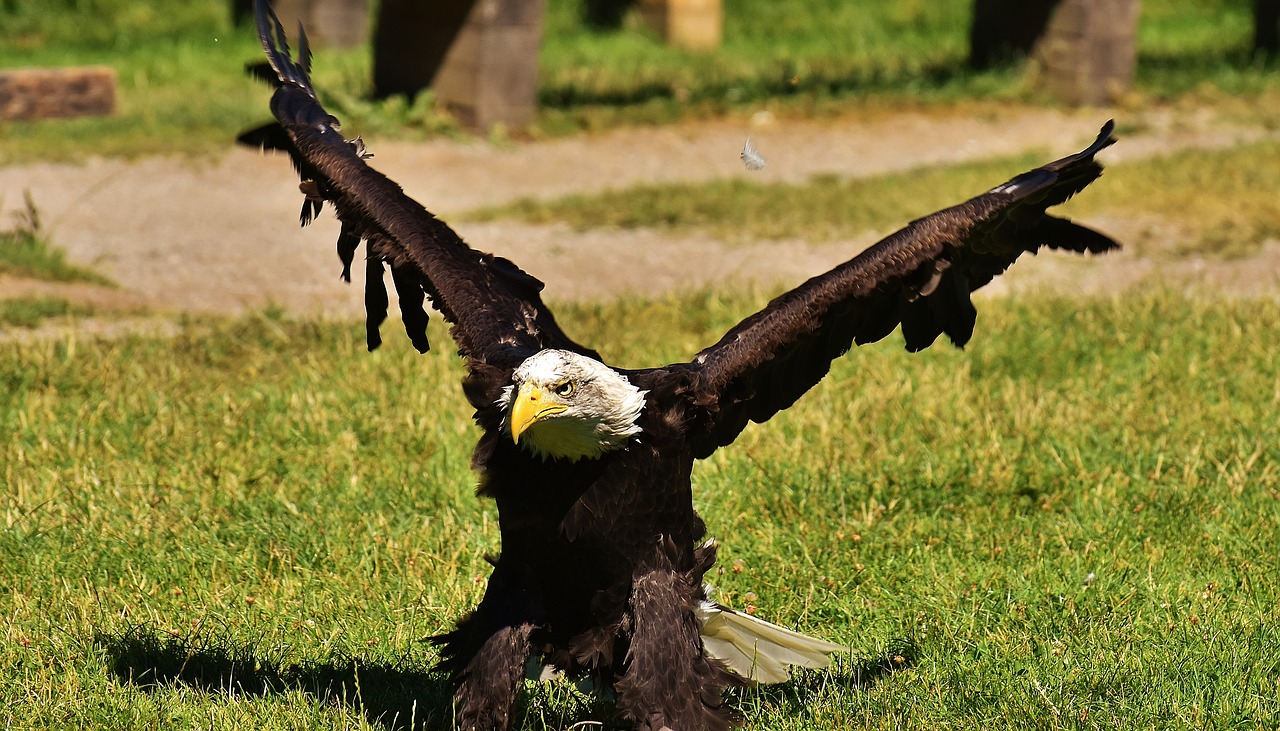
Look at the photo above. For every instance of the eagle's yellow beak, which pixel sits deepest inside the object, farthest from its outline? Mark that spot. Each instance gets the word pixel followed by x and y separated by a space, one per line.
pixel 530 405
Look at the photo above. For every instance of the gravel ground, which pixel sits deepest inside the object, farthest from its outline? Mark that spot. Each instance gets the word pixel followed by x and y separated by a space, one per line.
pixel 222 236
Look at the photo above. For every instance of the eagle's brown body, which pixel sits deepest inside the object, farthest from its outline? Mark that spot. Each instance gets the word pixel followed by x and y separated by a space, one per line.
pixel 602 559
pixel 585 545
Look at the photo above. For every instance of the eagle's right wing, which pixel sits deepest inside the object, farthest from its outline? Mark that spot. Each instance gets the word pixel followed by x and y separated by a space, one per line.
pixel 919 277
pixel 496 309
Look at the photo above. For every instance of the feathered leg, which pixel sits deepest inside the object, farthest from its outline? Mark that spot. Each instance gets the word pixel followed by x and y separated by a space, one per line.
pixel 486 655
pixel 669 683
pixel 485 690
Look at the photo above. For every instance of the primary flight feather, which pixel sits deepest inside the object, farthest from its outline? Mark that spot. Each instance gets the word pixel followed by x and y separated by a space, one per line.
pixel 600 574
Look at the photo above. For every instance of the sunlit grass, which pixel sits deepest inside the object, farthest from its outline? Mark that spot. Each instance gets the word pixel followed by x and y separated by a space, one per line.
pixel 31 312
pixel 255 523
pixel 25 251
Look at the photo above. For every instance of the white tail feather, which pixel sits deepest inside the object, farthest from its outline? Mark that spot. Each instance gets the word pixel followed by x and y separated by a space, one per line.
pixel 757 650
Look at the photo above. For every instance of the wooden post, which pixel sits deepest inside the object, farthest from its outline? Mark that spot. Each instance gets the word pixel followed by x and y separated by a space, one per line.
pixel 1089 50
pixel 338 23
pixel 480 57
pixel 70 92
pixel 694 24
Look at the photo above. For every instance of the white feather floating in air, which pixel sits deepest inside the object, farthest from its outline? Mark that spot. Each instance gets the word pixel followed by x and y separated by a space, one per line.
pixel 751 157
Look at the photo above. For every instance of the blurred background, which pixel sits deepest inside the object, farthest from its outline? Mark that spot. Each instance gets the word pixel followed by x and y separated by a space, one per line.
pixel 602 63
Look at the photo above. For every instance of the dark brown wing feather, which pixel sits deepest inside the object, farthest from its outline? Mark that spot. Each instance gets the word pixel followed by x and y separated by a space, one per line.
pixel 496 309
pixel 919 278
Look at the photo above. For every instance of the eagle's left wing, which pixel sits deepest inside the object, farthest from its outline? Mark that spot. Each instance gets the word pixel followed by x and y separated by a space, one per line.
pixel 496 309
pixel 919 277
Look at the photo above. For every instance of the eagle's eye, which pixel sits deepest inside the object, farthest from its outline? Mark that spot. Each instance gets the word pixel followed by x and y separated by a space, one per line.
pixel 564 390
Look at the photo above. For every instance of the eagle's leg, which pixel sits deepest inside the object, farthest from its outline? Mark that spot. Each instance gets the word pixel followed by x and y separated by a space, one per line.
pixel 485 690
pixel 485 655
pixel 669 682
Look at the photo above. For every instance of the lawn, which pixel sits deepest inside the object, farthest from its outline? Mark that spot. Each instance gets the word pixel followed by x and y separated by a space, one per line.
pixel 1072 523
pixel 25 251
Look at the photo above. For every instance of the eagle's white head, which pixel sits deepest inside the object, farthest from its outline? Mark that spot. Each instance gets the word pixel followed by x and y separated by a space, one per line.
pixel 567 406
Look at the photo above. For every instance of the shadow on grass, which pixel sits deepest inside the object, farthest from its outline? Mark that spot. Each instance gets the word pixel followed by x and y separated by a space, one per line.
pixel 412 698
pixel 390 696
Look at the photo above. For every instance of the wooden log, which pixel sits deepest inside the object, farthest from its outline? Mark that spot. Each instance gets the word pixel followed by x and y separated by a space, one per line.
pixel 694 24
pixel 1089 50
pixel 43 93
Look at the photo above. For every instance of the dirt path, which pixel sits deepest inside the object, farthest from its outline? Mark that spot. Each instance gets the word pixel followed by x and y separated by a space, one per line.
pixel 221 236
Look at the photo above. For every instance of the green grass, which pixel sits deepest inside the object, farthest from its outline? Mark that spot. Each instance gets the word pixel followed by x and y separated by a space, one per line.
pixel 30 313
pixel 183 90
pixel 26 252
pixel 255 523
pixel 1224 201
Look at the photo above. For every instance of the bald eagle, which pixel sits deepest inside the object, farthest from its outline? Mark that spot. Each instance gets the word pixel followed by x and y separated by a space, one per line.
pixel 603 556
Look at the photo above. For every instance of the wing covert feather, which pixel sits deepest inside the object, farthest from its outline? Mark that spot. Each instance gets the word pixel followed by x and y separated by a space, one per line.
pixel 920 278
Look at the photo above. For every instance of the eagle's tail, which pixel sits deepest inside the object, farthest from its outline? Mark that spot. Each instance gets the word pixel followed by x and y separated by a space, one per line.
pixel 756 650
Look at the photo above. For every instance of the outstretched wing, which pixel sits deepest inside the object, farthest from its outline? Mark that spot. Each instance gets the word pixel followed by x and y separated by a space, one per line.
pixel 496 309
pixel 919 277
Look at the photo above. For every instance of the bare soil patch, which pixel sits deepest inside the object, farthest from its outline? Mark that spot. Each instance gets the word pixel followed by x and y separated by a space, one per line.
pixel 222 236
